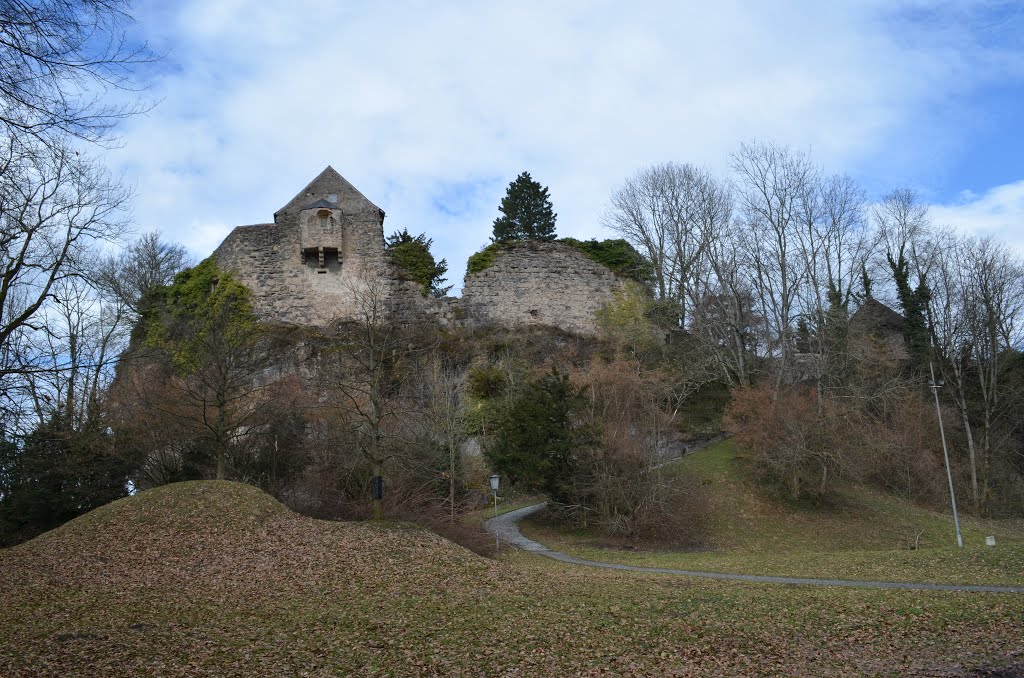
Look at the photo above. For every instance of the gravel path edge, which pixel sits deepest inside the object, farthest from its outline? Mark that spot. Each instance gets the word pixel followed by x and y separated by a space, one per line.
pixel 506 528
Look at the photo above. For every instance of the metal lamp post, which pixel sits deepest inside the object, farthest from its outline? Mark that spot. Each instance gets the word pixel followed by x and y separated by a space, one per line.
pixel 935 386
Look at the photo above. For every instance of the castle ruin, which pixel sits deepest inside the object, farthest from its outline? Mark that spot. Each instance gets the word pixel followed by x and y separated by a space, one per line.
pixel 325 251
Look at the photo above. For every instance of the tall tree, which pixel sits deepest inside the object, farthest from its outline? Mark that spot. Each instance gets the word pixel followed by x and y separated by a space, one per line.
pixel 53 207
pixel 412 254
pixel 526 212
pixel 672 213
pixel 210 377
pixel 374 367
pixel 774 185
pixel 60 61
pixel 536 434
pixel 903 226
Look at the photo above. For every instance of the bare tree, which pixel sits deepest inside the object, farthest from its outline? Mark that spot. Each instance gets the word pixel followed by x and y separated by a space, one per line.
pixel 448 416
pixel 835 245
pixel 205 365
pixel 146 263
pixel 725 318
pixel 54 206
pixel 375 363
pixel 994 313
pixel 84 336
pixel 672 213
pixel 60 59
pixel 950 330
pixel 904 229
pixel 637 213
pixel 774 185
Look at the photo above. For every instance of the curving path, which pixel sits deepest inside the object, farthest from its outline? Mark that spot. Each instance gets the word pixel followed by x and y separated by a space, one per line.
pixel 505 527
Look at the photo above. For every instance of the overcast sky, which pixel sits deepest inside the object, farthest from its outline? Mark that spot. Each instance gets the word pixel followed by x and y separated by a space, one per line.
pixel 431 108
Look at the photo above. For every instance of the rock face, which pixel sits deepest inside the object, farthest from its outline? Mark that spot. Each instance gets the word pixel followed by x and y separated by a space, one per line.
pixel 539 283
pixel 323 260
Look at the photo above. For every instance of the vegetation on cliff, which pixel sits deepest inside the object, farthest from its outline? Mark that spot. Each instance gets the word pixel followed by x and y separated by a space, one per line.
pixel 616 255
pixel 412 254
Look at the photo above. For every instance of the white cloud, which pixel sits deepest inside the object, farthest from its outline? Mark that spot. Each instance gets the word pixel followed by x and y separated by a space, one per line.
pixel 421 102
pixel 999 212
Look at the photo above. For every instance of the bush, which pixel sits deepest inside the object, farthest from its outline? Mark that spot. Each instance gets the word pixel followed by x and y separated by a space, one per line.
pixel 796 443
pixel 412 255
pixel 54 475
pixel 618 256
pixel 536 434
pixel 484 259
pixel 621 491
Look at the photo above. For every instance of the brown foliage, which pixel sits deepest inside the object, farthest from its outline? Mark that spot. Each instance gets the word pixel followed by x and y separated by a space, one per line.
pixel 886 435
pixel 798 441
pixel 621 490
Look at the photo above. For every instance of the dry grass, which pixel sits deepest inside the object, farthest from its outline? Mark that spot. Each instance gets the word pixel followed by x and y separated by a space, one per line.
pixel 219 579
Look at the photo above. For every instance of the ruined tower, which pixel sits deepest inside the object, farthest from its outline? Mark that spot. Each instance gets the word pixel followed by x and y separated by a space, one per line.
pixel 321 252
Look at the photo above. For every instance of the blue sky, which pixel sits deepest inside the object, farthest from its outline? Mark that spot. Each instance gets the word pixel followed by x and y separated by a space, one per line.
pixel 431 107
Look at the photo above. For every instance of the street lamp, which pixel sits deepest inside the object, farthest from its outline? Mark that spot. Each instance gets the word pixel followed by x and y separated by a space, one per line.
pixel 495 480
pixel 935 386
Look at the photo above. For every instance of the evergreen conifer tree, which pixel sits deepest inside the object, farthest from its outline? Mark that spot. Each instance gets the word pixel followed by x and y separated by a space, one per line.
pixel 914 302
pixel 412 253
pixel 526 212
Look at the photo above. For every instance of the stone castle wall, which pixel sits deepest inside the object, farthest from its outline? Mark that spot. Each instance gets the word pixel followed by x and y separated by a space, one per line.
pixel 291 284
pixel 539 283
pixel 323 260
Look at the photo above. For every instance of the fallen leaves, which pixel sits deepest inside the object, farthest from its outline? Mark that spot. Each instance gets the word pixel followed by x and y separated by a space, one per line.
pixel 218 579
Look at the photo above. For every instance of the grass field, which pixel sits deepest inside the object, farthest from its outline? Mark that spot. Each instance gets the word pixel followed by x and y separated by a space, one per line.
pixel 216 578
pixel 862 534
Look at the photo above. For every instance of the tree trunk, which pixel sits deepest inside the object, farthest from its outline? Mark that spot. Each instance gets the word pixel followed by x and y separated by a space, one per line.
pixel 975 497
pixel 378 502
pixel 451 477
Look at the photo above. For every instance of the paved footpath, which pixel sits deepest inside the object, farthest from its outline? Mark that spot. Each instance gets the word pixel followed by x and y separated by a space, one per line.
pixel 505 527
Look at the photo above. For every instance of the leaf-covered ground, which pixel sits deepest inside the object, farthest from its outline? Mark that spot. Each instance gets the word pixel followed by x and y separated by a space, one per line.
pixel 211 578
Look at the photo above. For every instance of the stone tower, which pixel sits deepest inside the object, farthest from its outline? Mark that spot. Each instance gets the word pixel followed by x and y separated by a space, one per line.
pixel 323 250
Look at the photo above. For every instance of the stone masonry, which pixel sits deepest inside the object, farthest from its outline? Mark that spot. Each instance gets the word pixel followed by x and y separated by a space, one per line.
pixel 323 260
pixel 540 283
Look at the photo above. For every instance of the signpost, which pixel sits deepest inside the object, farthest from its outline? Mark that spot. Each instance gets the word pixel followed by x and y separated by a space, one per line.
pixel 495 480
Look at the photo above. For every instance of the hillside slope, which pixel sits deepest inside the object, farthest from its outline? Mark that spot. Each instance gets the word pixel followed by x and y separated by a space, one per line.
pixel 230 537
pixel 216 578
pixel 860 534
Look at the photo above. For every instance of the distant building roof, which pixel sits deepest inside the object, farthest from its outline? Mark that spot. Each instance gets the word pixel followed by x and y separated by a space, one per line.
pixel 874 315
pixel 330 186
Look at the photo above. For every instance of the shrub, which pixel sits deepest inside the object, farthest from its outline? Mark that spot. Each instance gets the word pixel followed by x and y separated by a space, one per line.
pixel 796 442
pixel 535 435
pixel 484 259
pixel 412 255
pixel 618 256
pixel 619 488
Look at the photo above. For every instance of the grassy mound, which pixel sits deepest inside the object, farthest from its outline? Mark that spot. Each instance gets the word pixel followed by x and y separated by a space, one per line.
pixel 227 536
